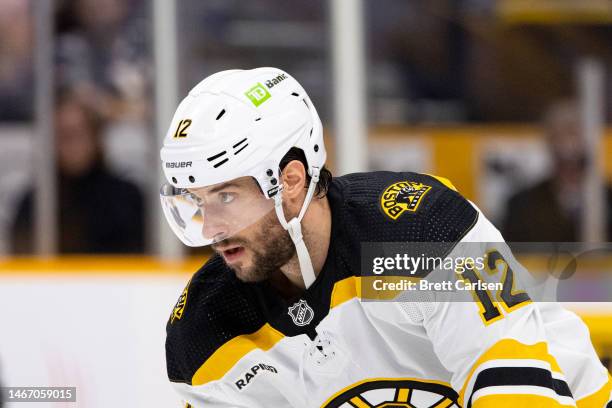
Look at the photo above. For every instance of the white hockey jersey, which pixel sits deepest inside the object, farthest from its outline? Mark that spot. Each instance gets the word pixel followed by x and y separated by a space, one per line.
pixel 235 344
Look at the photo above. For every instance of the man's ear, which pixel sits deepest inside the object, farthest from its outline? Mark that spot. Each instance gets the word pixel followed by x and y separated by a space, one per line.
pixel 294 180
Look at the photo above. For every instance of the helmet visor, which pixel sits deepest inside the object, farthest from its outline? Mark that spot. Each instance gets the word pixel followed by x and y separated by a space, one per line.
pixel 207 215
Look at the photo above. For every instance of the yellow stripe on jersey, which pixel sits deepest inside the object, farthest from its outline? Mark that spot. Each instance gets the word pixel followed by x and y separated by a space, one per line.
pixel 365 287
pixel 402 395
pixel 515 350
pixel 344 290
pixel 226 356
pixel 517 400
pixel 445 403
pixel 443 180
pixel 598 398
pixel 360 403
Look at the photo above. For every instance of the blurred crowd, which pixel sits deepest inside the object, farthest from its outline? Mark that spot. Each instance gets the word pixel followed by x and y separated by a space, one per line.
pixel 440 61
pixel 552 210
pixel 103 55
pixel 102 76
pixel 98 212
pixel 16 73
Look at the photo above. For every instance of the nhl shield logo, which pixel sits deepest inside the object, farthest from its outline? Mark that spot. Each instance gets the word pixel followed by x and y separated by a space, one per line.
pixel 301 313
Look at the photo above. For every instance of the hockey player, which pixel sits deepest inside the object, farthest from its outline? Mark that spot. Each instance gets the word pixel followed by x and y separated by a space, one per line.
pixel 278 316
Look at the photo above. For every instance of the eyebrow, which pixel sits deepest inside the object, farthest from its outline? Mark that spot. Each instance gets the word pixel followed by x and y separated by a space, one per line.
pixel 222 187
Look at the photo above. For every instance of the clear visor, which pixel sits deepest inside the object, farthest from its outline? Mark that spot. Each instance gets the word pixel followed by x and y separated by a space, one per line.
pixel 207 215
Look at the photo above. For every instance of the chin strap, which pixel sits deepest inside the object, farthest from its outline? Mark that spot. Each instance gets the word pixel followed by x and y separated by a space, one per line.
pixel 294 227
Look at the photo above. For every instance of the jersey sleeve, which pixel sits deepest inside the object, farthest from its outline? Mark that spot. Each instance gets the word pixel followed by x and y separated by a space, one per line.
pixel 201 322
pixel 210 396
pixel 502 348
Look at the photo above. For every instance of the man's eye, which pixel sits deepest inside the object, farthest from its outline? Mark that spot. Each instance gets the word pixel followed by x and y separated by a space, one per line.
pixel 226 198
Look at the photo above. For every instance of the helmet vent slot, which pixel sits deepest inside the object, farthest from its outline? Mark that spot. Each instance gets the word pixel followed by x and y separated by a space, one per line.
pixel 241 149
pixel 257 119
pixel 220 114
pixel 239 143
pixel 295 94
pixel 311 132
pixel 305 103
pixel 221 162
pixel 216 156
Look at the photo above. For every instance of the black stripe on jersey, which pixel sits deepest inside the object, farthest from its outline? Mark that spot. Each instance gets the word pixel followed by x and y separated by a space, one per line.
pixel 532 376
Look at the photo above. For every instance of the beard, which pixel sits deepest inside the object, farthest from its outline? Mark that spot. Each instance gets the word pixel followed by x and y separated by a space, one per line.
pixel 271 248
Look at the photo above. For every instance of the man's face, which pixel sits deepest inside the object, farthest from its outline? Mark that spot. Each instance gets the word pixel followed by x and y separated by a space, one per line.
pixel 566 140
pixel 259 251
pixel 75 140
pixel 256 245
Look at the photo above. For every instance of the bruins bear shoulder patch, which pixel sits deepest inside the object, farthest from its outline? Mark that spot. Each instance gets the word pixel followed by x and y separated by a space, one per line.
pixel 402 196
pixel 179 307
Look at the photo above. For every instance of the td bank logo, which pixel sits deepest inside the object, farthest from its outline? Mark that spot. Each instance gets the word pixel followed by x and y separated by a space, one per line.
pixel 258 94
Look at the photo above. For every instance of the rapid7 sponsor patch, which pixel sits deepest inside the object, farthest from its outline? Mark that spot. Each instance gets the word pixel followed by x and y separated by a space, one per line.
pixel 250 375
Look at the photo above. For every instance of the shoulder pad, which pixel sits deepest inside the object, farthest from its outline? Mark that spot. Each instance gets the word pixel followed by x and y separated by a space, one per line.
pixel 404 206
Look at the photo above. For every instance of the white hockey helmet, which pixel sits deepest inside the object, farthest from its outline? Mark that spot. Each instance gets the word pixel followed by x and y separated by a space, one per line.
pixel 234 124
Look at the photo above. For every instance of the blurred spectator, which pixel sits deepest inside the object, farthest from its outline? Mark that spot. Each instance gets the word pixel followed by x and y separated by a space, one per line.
pixel 97 212
pixel 16 75
pixel 103 54
pixel 426 44
pixel 551 210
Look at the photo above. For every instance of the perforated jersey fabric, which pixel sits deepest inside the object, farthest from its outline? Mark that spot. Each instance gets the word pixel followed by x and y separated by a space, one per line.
pixel 442 216
pixel 220 307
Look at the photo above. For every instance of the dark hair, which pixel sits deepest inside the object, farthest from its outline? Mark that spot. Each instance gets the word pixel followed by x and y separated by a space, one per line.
pixel 68 96
pixel 95 122
pixel 325 176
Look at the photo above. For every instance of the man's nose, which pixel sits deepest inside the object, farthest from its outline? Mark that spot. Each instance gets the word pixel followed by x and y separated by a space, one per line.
pixel 214 228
